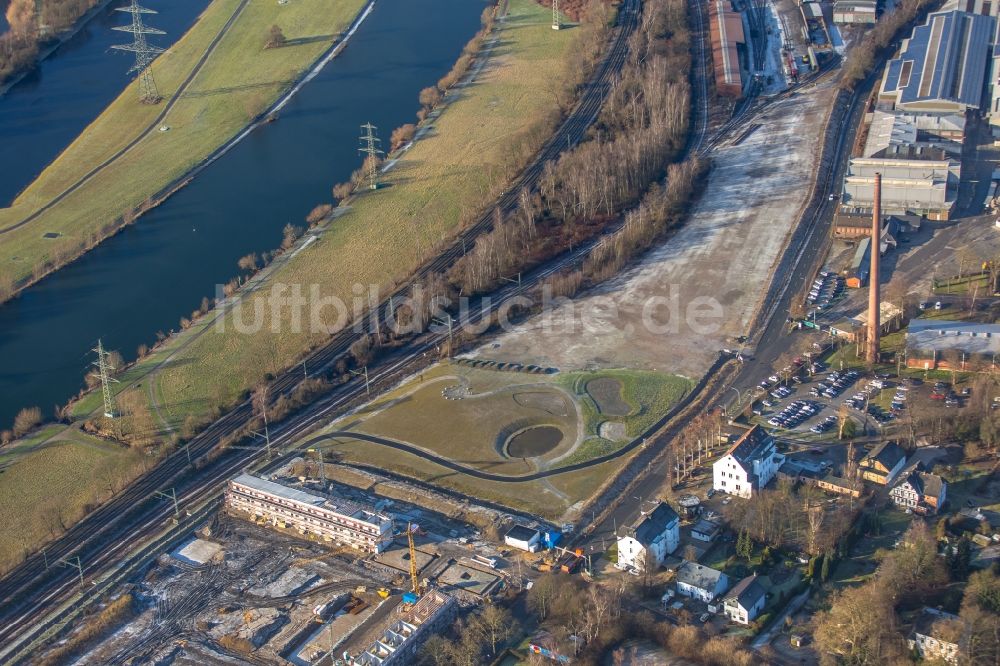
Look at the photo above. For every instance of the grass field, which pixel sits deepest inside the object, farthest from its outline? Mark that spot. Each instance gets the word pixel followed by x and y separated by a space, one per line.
pixel 471 430
pixel 385 234
pixel 380 239
pixel 650 395
pixel 46 485
pixel 239 80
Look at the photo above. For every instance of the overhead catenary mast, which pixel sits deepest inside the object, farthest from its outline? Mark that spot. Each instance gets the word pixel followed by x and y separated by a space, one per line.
pixel 369 146
pixel 143 50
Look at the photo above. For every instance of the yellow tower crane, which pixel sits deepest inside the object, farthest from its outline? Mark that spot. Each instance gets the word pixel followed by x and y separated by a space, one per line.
pixel 413 560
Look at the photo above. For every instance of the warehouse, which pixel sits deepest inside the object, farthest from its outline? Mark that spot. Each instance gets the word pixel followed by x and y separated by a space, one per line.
pixel 958 345
pixel 854 12
pixel 726 32
pixel 942 66
pixel 332 519
pixel 915 180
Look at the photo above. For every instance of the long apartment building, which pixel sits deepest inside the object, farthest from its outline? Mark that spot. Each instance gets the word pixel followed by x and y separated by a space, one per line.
pixel 332 519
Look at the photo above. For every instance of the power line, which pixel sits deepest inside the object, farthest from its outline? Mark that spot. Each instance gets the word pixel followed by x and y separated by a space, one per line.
pixel 103 368
pixel 369 146
pixel 143 50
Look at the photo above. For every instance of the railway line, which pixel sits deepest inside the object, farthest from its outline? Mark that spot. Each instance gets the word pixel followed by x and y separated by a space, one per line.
pixel 102 538
pixel 106 539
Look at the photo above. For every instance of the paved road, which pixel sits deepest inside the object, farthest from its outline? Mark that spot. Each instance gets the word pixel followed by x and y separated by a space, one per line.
pixel 771 341
pixel 106 537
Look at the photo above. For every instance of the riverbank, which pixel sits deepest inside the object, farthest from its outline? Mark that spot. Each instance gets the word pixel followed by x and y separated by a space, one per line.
pixel 50 45
pixel 216 81
pixel 462 154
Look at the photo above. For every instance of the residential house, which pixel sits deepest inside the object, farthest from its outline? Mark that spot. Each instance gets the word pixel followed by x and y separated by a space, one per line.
pixel 937 635
pixel 700 582
pixel 922 492
pixel 705 530
pixel 748 465
pixel 883 463
pixel 650 539
pixel 745 602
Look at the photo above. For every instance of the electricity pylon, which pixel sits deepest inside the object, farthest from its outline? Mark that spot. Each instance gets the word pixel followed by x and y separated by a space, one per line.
pixel 106 379
pixel 143 50
pixel 369 146
pixel 555 15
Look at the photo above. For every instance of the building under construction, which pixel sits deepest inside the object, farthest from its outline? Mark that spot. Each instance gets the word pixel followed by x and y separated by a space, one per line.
pixel 398 642
pixel 331 519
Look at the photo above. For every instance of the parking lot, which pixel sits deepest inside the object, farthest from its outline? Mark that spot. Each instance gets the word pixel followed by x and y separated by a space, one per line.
pixel 826 288
pixel 805 399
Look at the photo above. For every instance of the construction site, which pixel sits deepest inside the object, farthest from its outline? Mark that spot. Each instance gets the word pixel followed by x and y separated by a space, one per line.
pixel 256 586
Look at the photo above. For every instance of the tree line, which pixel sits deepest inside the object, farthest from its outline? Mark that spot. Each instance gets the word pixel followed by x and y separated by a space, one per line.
pixel 642 128
pixel 891 26
pixel 19 45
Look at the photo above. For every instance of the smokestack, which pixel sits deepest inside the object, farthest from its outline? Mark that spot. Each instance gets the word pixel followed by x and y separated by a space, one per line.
pixel 873 295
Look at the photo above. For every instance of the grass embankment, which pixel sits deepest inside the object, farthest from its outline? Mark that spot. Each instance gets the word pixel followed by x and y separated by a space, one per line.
pixel 471 429
pixel 239 80
pixel 381 238
pixel 48 484
pixel 384 236
pixel 649 395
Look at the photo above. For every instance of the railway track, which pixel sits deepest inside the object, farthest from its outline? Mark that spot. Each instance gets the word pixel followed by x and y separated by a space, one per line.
pixel 104 537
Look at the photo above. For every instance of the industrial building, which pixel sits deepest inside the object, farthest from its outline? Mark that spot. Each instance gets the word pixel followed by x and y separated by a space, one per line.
pixel 994 111
pixel 331 519
pixel 915 181
pixel 399 641
pixel 854 12
pixel 725 29
pixel 940 343
pixel 941 67
pixel 914 129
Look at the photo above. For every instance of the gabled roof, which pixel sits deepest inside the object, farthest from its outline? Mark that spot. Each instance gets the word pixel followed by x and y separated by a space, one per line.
pixel 699 576
pixel 887 453
pixel 924 484
pixel 747 592
pixel 650 526
pixel 754 444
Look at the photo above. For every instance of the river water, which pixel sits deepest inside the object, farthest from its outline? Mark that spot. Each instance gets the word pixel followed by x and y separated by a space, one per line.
pixel 47 109
pixel 147 277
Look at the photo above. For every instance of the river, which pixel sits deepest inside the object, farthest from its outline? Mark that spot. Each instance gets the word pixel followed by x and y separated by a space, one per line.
pixel 46 110
pixel 145 278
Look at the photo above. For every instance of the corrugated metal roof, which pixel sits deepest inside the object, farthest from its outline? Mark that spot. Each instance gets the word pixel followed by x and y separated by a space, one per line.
pixel 947 57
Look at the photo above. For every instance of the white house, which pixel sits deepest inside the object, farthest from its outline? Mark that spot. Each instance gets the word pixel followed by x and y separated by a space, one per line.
pixel 700 582
pixel 937 635
pixel 650 539
pixel 919 491
pixel 748 465
pixel 524 538
pixel 744 602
